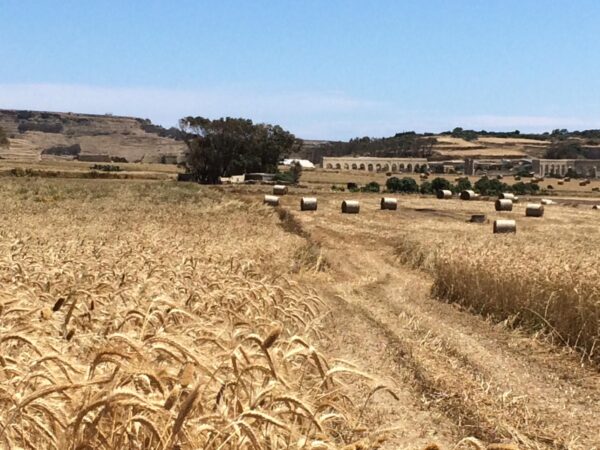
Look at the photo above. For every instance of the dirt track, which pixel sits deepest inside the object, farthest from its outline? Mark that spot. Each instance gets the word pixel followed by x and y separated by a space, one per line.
pixel 456 374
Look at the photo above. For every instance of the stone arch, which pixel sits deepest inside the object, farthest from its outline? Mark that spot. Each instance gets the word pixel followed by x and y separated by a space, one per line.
pixel 417 167
pixel 409 167
pixel 346 166
pixel 394 168
pixel 338 166
pixel 401 167
pixel 426 166
pixel 329 166
pixel 354 167
pixel 386 167
pixel 378 167
pixel 362 166
pixel 370 167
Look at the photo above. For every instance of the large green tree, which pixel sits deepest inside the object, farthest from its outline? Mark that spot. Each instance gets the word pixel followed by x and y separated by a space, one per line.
pixel 230 146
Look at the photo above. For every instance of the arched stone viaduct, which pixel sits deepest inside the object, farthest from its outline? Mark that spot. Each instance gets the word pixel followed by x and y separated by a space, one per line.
pixel 367 164
pixel 584 167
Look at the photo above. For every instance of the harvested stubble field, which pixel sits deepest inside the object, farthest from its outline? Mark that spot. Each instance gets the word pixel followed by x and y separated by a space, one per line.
pixel 164 315
pixel 476 322
pixel 155 315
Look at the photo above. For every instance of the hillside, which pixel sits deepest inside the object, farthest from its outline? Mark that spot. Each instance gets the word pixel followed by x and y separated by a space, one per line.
pixel 36 135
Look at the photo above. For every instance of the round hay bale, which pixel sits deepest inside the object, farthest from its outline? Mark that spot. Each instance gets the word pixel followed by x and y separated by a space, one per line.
pixel 505 226
pixel 350 207
pixel 389 203
pixel 582 183
pixel 444 194
pixel 504 204
pixel 566 179
pixel 517 178
pixel 534 210
pixel 477 218
pixel 507 195
pixel 280 189
pixel 596 207
pixel 499 177
pixel 271 200
pixel 468 195
pixel 560 182
pixel 546 201
pixel 308 204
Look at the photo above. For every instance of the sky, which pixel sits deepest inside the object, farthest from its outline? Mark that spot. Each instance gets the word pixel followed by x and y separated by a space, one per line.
pixel 327 69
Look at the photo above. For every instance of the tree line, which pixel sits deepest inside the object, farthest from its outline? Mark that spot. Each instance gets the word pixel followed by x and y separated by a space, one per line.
pixel 233 146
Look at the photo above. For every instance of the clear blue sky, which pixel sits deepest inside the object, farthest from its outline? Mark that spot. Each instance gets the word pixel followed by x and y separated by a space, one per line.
pixel 322 69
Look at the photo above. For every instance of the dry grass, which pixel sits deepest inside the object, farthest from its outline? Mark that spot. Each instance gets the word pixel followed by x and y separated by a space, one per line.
pixel 154 315
pixel 545 277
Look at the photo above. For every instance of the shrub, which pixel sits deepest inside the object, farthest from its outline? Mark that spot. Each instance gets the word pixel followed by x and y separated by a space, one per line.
pixel 373 186
pixel 438 184
pixel 405 184
pixel 426 188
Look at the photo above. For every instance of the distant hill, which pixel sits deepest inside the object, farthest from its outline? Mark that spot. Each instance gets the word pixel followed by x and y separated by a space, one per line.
pixel 35 135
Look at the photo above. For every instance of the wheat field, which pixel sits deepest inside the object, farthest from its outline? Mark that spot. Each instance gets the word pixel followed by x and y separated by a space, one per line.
pixel 155 315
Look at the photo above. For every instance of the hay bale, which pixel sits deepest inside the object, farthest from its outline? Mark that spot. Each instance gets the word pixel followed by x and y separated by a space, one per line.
pixel 499 177
pixel 505 226
pixel 308 204
pixel 280 189
pixel 444 194
pixel 271 200
pixel 596 189
pixel 546 201
pixel 477 218
pixel 582 183
pixel 517 178
pixel 389 203
pixel 350 207
pixel 566 179
pixel 561 182
pixel 504 204
pixel 596 207
pixel 468 195
pixel 507 195
pixel 534 210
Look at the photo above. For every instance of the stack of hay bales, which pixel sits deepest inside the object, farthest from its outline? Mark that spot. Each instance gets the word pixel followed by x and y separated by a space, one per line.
pixel 271 200
pixel 389 203
pixel 534 210
pixel 468 195
pixel 308 204
pixel 350 207
pixel 444 194
pixel 280 189
pixel 504 204
pixel 505 226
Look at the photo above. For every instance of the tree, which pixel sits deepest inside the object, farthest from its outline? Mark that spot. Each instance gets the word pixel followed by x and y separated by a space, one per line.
pixel 438 184
pixel 463 184
pixel 395 184
pixel 230 146
pixel 3 139
pixel 426 188
pixel 486 186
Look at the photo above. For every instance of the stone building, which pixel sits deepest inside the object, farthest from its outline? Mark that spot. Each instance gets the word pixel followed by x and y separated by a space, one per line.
pixel 583 167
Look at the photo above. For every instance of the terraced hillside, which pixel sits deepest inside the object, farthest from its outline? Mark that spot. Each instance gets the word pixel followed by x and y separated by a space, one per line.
pixel 35 135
